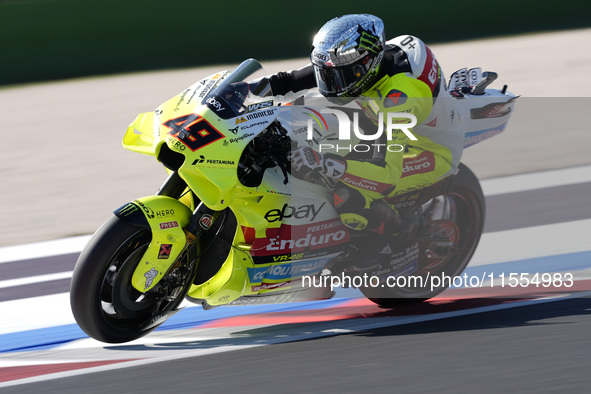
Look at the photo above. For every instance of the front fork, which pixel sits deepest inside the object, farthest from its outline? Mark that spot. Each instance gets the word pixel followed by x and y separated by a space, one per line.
pixel 202 218
pixel 173 227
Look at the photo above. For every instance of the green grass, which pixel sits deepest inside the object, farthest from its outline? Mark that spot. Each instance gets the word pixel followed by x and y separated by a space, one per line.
pixel 54 39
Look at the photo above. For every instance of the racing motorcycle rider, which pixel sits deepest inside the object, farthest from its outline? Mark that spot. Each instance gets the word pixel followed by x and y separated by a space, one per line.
pixel 351 59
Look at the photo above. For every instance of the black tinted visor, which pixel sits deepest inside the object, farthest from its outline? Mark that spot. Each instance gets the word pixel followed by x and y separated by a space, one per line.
pixel 335 81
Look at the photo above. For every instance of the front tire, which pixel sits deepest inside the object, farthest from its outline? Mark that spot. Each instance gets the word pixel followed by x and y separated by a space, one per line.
pixel 103 301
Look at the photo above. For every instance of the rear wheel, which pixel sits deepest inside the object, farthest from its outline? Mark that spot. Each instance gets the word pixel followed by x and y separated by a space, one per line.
pixel 104 303
pixel 446 248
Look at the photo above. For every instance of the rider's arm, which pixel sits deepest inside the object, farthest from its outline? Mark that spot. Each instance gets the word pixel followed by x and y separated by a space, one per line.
pixel 377 176
pixel 294 81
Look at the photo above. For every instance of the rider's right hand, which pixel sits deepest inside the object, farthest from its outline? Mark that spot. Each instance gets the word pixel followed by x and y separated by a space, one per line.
pixel 306 160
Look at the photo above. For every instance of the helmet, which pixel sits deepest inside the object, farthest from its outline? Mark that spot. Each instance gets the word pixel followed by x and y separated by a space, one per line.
pixel 347 53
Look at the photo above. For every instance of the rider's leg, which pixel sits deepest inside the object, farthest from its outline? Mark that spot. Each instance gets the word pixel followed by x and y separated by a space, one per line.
pixel 359 213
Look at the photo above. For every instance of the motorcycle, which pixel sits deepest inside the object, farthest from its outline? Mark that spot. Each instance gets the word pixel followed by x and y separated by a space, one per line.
pixel 233 224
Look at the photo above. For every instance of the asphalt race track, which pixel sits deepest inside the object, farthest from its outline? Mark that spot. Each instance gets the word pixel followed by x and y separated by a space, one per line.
pixel 490 336
pixel 501 337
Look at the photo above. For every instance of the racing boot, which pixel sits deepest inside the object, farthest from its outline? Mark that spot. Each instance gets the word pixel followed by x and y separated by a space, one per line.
pixel 387 220
pixel 377 216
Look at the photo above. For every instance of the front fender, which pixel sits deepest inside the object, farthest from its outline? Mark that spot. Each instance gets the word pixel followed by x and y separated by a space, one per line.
pixel 165 217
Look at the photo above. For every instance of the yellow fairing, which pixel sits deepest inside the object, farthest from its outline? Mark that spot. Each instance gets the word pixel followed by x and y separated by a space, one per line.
pixel 139 136
pixel 214 186
pixel 228 284
pixel 205 148
pixel 166 218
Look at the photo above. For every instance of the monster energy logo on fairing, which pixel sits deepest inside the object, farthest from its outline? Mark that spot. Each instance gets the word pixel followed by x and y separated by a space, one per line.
pixel 128 209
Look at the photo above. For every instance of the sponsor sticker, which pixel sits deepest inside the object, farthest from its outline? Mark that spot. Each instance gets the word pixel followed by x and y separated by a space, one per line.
pixel 286 271
pixel 150 276
pixel 202 160
pixel 423 163
pixel 164 226
pixel 323 57
pixel 215 104
pixel 128 209
pixel 366 184
pixel 309 211
pixel 149 212
pixel 261 114
pixel 257 106
pixel 291 239
pixel 164 252
pixel 206 221
pixel 493 110
pixel 475 137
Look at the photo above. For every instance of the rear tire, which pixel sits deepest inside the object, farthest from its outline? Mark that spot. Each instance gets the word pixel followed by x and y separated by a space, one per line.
pixel 104 304
pixel 467 195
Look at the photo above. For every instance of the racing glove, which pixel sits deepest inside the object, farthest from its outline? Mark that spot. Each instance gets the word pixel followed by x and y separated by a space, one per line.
pixel 306 160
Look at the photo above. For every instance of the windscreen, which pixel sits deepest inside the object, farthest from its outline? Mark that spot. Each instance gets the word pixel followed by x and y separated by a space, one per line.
pixel 244 90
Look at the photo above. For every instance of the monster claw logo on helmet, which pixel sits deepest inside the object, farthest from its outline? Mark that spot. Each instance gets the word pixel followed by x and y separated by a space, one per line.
pixel 347 54
pixel 368 41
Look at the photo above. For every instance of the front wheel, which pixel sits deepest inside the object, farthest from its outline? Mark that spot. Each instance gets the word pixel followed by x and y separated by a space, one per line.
pixel 462 233
pixel 104 303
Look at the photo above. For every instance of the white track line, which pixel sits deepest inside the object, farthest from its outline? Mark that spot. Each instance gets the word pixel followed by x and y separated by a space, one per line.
pixel 533 242
pixel 57 247
pixel 34 279
pixel 35 313
pixel 536 180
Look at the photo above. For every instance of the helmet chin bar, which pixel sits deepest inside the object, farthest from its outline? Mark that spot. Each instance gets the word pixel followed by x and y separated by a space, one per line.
pixel 361 76
pixel 367 82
